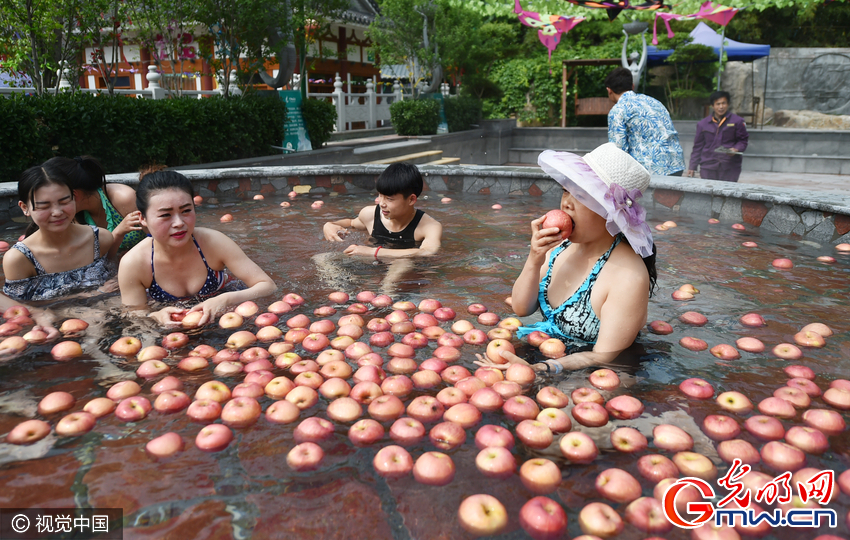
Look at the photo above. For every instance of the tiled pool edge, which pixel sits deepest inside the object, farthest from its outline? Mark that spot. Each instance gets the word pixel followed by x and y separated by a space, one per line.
pixel 820 217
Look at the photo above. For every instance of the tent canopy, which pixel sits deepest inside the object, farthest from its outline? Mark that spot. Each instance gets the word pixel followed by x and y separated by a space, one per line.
pixel 704 35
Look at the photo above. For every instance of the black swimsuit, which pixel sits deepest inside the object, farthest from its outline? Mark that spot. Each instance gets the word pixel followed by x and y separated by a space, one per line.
pixel 395 240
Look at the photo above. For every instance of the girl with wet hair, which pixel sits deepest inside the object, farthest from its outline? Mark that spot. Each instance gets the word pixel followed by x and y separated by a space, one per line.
pixel 110 206
pixel 58 257
pixel 182 267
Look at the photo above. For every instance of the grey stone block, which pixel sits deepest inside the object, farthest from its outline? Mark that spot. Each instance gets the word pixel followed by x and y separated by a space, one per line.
pixel 782 219
pixel 717 204
pixel 823 232
pixel 351 188
pixel 435 182
pixel 842 239
pixel 789 165
pixel 227 185
pixel 695 204
pixel 811 219
pixel 731 210
pixel 499 186
pixel 280 183
pixel 205 192
pixel 818 165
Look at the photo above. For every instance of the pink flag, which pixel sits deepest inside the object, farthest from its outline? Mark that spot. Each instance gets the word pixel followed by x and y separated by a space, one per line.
pixel 550 27
pixel 711 11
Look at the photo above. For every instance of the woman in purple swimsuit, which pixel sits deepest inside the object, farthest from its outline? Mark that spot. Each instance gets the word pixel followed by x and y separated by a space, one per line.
pixel 181 265
pixel 592 289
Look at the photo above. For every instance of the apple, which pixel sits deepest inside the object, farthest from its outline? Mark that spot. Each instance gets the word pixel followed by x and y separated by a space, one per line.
pixel 584 395
pixel 338 297
pixel 100 407
pixel 415 340
pixel 227 369
pixel 378 325
pixel 334 388
pixel 735 402
pixel 171 401
pixel 76 326
pixel 600 520
pixel 365 392
pixel 617 485
pixel 392 461
pixel 123 390
pixel 795 396
pixel 507 389
pixel 75 424
pixel 490 376
pixel 826 259
pixel 322 326
pixel 724 351
pixel 55 402
pixel 424 320
pixel 397 385
pixel 304 457
pixel 133 409
pixel 807 386
pixel 655 467
pixel 407 431
pixel 590 414
pixel 782 457
pixel 449 339
pixel 165 445
pixel 434 469
pixel 661 328
pixel 310 379
pixel 261 376
pixel 558 219
pixel 16 311
pixel 624 407
pixel 829 422
pixel 404 306
pixel 714 221
pixel 426 379
pixel 486 400
pixel 488 319
pixel 540 476
pixel 691 464
pixel 628 440
pixel 765 427
pixel 28 432
pixel 282 412
pixel 738 449
pixel 444 314
pixel 287 360
pixel 293 299
pixel 10 329
pixel 230 320
pixel 470 385
pixel 604 379
pixel 807 439
pixel 314 430
pixel 365 432
pixel 124 346
pixel 435 332
pixel 773 406
pixel 693 318
pixel 447 435
pixel 809 338
pixel 476 309
pixel 355 349
pixel 302 397
pixel 368 373
pixel 557 420
pixel 783 264
pixel 426 409
pixel 279 308
pixel 720 428
pixel 553 348
pixel 496 462
pixel 482 515
pixel 519 408
pixel 820 328
pixel 385 408
pixel 66 350
pixel 446 353
pixel 672 438
pixel 543 519
pixel 647 514
pixel 682 295
pixel 240 340
pixel 381 339
pixel 453 374
pixel 520 373
pixel 225 355
pixel 750 344
pixel 353 331
pixel 241 412
pixel 382 301
pixel 475 337
pixel 799 372
pixel 696 388
pixel 533 433
pixel 693 344
pixel 536 338
pixel 152 368
pixel 248 389
pixel 786 351
pixel 252 354
pixel 464 414
pixel 336 369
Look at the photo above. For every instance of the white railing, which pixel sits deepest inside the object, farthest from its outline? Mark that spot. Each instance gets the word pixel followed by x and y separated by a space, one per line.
pixel 368 107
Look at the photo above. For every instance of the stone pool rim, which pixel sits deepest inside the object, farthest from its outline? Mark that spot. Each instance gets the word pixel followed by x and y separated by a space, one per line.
pixel 819 216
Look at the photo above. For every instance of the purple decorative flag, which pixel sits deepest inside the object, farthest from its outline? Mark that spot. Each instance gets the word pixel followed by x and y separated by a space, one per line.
pixel 550 27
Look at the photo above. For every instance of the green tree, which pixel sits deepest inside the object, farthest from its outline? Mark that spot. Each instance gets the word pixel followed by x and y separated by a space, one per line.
pixel 101 24
pixel 310 18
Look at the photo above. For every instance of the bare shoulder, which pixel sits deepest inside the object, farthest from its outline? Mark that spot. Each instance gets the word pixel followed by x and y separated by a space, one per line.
pixel 367 214
pixel 627 267
pixel 139 256
pixel 122 197
pixel 16 265
pixel 104 238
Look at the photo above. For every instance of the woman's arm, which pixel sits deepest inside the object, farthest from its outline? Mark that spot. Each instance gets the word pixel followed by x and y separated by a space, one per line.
pixel 16 266
pixel 527 285
pixel 106 240
pixel 221 248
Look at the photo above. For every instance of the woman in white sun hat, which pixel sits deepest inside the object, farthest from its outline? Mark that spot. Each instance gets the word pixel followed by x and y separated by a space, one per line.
pixel 593 288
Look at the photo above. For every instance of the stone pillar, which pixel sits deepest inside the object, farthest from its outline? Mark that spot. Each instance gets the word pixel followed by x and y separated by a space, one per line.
pixel 371 100
pixel 153 77
pixel 339 101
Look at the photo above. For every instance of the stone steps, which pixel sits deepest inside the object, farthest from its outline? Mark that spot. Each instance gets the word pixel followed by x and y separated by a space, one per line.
pixel 417 158
pixel 444 161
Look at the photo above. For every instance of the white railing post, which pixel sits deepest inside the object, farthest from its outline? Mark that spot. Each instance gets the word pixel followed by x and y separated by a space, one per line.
pixel 371 100
pixel 64 82
pixel 397 94
pixel 157 91
pixel 339 101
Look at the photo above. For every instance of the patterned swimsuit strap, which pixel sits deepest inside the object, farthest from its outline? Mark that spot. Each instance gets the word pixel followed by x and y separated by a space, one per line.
pixel 586 285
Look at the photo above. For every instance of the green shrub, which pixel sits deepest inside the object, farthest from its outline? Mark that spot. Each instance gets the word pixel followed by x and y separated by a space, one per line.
pixel 415 117
pixel 462 112
pixel 319 117
pixel 126 134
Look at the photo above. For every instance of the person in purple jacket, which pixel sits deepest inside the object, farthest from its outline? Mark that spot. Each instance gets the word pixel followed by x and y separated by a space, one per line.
pixel 724 130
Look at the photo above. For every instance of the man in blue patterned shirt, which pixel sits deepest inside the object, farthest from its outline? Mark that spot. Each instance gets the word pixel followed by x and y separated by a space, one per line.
pixel 641 126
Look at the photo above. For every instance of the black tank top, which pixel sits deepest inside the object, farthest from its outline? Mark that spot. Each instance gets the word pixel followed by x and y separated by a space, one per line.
pixel 395 240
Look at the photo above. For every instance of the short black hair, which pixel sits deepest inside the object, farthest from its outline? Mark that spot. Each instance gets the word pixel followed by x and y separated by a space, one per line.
pixel 620 80
pixel 159 181
pixel 720 94
pixel 401 178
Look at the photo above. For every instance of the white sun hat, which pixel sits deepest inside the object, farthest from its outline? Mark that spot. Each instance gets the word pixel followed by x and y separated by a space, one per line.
pixel 610 182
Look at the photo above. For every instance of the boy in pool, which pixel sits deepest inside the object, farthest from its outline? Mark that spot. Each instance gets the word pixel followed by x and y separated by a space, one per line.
pixel 393 223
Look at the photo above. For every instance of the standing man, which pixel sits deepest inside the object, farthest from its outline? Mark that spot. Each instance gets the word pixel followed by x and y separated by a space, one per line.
pixel 641 126
pixel 719 142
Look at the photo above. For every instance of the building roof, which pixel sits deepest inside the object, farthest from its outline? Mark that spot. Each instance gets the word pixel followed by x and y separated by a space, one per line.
pixel 361 12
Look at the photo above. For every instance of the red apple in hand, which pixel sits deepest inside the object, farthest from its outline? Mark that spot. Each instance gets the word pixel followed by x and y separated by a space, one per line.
pixel 560 220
